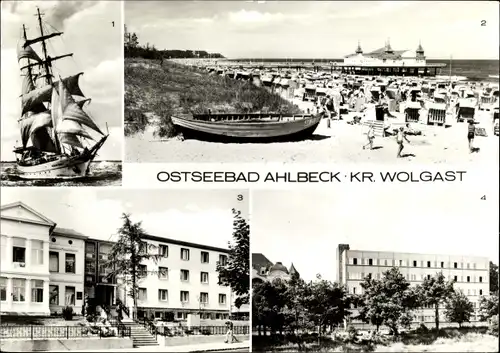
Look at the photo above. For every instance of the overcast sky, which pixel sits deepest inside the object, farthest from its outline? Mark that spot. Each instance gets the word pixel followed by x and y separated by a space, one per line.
pixel 97 47
pixel 310 29
pixel 202 217
pixel 305 227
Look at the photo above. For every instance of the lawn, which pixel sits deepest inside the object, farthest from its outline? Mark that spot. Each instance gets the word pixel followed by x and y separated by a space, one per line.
pixel 158 91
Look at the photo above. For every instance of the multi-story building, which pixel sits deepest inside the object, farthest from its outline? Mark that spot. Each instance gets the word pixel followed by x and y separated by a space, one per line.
pixel 264 270
pixel 183 281
pixel 100 284
pixel 41 265
pixel 470 273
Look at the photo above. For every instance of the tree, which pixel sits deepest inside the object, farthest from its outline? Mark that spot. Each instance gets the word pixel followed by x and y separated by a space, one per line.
pixel 128 254
pixel 458 308
pixel 269 305
pixel 435 291
pixel 326 304
pixel 493 278
pixel 488 307
pixel 235 273
pixel 387 301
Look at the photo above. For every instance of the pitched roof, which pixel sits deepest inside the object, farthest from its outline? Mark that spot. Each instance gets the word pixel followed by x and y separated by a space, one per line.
pixel 293 270
pixel 259 261
pixel 69 233
pixel 44 220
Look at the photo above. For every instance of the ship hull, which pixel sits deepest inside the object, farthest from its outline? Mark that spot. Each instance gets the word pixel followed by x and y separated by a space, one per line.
pixel 63 168
pixel 247 131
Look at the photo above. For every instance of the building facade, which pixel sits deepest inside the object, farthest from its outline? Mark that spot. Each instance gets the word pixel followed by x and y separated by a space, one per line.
pixel 471 274
pixel 183 281
pixel 264 270
pixel 387 56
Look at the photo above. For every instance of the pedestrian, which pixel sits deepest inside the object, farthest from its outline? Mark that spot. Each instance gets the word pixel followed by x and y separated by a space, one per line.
pixel 371 136
pixel 229 334
pixel 401 136
pixel 471 133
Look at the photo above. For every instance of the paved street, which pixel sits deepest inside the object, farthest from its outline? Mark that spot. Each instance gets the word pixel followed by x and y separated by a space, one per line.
pixel 213 347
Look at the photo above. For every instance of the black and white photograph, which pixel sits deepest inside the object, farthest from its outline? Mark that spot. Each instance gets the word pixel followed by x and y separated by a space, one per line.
pixel 386 82
pixel 62 93
pixel 117 270
pixel 374 271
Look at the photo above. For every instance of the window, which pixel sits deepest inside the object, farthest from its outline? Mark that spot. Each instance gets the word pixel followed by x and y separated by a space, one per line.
pixel 222 299
pixel 70 263
pixel 163 250
pixel 19 250
pixel 468 265
pixel 203 298
pixel 143 248
pixel 18 289
pixel 455 265
pixel 90 248
pixel 142 270
pixel 37 252
pixel 163 272
pixel 54 295
pixel 3 289
pixel 184 254
pixel 370 262
pixel 473 292
pixel 69 296
pixel 53 261
pixel 428 276
pixel 442 264
pixel 385 262
pixel 36 291
pixel 455 278
pixel 474 265
pixel 354 261
pixel 480 292
pixel 401 263
pixel 204 257
pixel 414 263
pixel 223 260
pixel 89 266
pixel 184 296
pixel 480 279
pixel 162 295
pixel 185 275
pixel 143 294
pixel 468 278
pixel 428 264
pixel 204 277
pixel 354 290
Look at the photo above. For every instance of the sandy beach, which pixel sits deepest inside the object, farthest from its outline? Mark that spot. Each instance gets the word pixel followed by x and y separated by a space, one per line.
pixel 342 143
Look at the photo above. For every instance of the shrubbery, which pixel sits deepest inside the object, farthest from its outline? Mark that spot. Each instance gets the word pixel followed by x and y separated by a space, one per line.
pixel 68 313
pixel 493 326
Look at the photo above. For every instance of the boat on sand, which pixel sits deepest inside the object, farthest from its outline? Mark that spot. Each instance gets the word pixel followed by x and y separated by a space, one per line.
pixel 255 127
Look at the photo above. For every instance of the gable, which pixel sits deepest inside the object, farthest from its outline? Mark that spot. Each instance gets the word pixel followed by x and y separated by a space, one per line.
pixel 20 211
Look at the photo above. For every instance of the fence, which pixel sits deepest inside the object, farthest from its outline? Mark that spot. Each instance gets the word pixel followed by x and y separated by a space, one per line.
pixel 65 332
pixel 201 330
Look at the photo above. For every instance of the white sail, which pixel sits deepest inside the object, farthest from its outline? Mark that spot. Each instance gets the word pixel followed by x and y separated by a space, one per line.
pixel 70 139
pixel 72 127
pixel 44 94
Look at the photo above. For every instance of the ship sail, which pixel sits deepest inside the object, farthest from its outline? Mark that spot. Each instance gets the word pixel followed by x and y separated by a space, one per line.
pixel 33 127
pixel 27 52
pixel 44 94
pixel 73 128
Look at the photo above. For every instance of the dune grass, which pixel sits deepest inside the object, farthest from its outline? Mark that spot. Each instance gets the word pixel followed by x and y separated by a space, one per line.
pixel 178 89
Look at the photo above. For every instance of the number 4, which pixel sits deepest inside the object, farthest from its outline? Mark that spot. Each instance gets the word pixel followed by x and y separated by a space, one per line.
pixel 484 197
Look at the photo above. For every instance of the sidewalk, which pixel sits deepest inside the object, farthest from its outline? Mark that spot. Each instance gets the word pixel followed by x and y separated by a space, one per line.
pixel 206 347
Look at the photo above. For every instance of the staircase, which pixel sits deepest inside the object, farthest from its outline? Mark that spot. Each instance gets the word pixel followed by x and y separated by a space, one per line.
pixel 140 335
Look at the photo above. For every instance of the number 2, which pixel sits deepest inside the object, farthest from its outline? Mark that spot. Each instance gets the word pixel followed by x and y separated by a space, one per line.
pixel 483 23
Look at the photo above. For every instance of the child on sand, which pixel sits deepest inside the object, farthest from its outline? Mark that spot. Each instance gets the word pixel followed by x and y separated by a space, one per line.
pixel 371 136
pixel 471 133
pixel 401 136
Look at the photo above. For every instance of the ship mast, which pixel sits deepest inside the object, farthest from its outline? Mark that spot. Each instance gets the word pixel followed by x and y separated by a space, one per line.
pixel 30 73
pixel 48 75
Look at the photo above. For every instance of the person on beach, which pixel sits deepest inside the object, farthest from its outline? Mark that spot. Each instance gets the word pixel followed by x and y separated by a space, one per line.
pixel 401 136
pixel 471 133
pixel 329 106
pixel 371 136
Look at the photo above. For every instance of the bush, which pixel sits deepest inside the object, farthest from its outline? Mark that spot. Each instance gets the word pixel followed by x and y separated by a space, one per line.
pixel 493 326
pixel 68 313
pixel 352 334
pixel 422 329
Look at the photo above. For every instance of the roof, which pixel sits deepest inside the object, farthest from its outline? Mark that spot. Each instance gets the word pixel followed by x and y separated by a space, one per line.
pixel 43 220
pixel 278 266
pixel 259 261
pixel 69 233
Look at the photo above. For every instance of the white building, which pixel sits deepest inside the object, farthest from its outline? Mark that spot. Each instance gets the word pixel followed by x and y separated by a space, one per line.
pixel 470 273
pixel 41 266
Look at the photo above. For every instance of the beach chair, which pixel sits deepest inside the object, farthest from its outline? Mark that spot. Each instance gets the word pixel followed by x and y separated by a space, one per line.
pixel 436 114
pixel 412 112
pixel 466 111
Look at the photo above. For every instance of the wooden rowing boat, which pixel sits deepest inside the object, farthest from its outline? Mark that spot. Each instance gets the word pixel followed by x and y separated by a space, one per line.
pixel 247 127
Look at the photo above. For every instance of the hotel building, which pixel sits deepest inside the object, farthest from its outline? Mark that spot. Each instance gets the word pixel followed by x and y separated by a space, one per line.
pixel 41 267
pixel 471 274
pixel 183 281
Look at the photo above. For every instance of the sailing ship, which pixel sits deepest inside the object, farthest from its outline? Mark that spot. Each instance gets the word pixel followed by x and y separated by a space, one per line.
pixel 255 127
pixel 55 128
